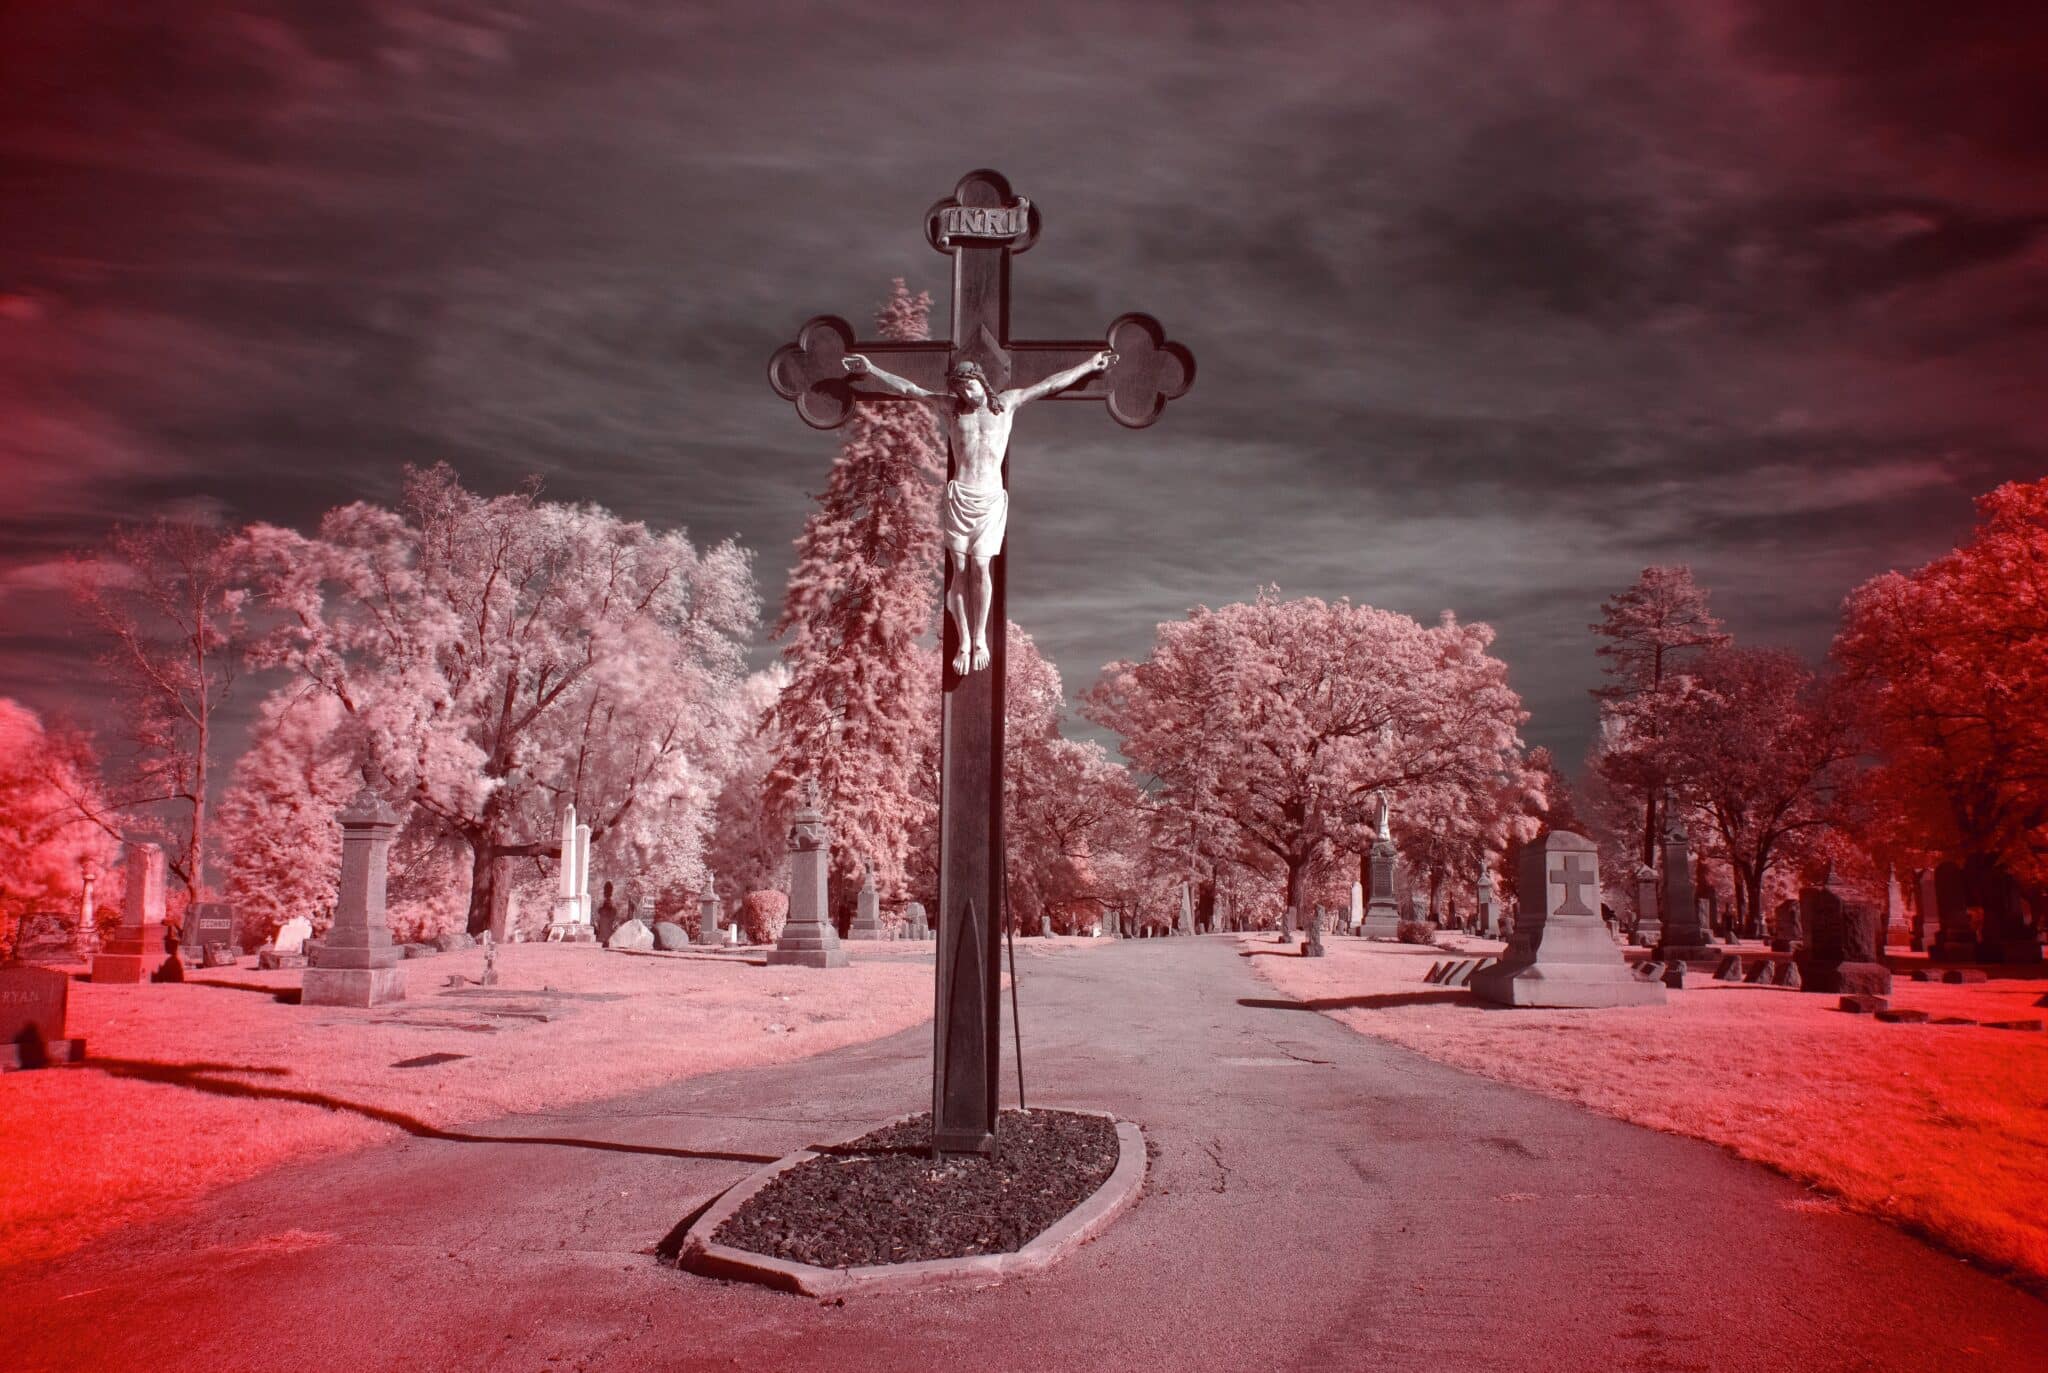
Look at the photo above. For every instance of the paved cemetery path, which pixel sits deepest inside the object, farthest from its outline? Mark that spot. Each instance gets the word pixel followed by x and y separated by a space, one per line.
pixel 1318 1200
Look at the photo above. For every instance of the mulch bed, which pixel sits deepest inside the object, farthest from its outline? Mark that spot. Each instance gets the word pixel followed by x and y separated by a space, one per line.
pixel 882 1199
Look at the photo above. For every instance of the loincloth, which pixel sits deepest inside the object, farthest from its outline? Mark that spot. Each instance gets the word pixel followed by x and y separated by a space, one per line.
pixel 972 521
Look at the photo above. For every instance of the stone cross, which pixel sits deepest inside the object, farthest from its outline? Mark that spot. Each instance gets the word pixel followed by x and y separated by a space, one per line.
pixel 980 226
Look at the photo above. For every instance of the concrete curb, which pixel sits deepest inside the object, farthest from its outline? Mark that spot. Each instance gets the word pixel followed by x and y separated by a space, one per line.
pixel 701 1256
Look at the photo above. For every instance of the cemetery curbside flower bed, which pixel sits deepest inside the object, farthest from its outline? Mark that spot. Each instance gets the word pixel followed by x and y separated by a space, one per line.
pixel 1070 1174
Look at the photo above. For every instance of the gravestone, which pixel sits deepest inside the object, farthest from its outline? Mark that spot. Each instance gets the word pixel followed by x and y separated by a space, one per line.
pixel 669 936
pixel 2008 936
pixel 1382 912
pixel 1684 935
pixel 1730 969
pixel 209 924
pixel 1674 977
pixel 1045 927
pixel 826 373
pixel 1785 928
pixel 1926 912
pixel 572 921
pixel 1649 930
pixel 357 964
pixel 1561 954
pixel 867 919
pixel 33 1002
pixel 125 952
pixel 1356 922
pixel 632 936
pixel 916 922
pixel 708 915
pixel 1312 947
pixel 490 973
pixel 1187 909
pixel 808 939
pixel 1788 975
pixel 1898 927
pixel 1840 952
pixel 1955 941
pixel 1287 923
pixel 1486 902
pixel 45 937
pixel 292 935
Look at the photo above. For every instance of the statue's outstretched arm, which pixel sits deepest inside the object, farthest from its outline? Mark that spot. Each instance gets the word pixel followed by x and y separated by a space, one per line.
pixel 1060 381
pixel 857 365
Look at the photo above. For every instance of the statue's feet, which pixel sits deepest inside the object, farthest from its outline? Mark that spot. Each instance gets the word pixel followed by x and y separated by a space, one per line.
pixel 980 656
pixel 960 662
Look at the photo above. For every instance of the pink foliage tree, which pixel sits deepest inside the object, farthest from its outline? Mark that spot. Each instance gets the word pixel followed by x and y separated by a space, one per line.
pixel 1757 746
pixel 1953 661
pixel 1281 720
pixel 500 657
pixel 861 709
pixel 49 796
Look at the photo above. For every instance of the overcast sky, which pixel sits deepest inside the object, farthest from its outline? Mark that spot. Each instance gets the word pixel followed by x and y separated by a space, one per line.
pixel 1493 304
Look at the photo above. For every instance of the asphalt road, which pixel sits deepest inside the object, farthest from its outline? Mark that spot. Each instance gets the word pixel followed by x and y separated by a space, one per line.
pixel 1317 1200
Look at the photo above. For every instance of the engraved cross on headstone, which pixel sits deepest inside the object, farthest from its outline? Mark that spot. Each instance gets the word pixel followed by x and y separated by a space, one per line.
pixel 980 226
pixel 1576 875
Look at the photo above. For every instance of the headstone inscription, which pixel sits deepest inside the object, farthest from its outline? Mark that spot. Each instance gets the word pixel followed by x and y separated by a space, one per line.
pixel 808 939
pixel 975 381
pixel 123 956
pixel 1561 953
pixel 357 964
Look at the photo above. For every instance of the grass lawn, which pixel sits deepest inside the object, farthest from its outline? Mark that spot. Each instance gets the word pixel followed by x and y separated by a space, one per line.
pixel 189 1088
pixel 1942 1129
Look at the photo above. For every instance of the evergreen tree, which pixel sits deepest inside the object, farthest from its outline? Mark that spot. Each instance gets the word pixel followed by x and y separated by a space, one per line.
pixel 1647 628
pixel 862 702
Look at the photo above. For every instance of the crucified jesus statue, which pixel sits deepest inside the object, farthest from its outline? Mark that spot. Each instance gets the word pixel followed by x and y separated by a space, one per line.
pixel 975 510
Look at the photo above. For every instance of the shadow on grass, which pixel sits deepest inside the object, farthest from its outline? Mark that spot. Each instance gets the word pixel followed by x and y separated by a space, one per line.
pixel 283 996
pixel 199 1078
pixel 1380 1001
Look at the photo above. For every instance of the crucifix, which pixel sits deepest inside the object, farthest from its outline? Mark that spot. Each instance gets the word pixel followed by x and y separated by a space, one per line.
pixel 976 380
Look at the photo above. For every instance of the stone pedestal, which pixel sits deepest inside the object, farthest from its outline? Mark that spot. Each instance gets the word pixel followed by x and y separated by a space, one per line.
pixel 709 931
pixel 1561 954
pixel 1483 919
pixel 1839 955
pixel 1382 913
pixel 808 939
pixel 1898 927
pixel 867 913
pixel 357 964
pixel 124 957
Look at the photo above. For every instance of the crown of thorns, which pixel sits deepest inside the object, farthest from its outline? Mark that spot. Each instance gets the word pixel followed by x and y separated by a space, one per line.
pixel 967 371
